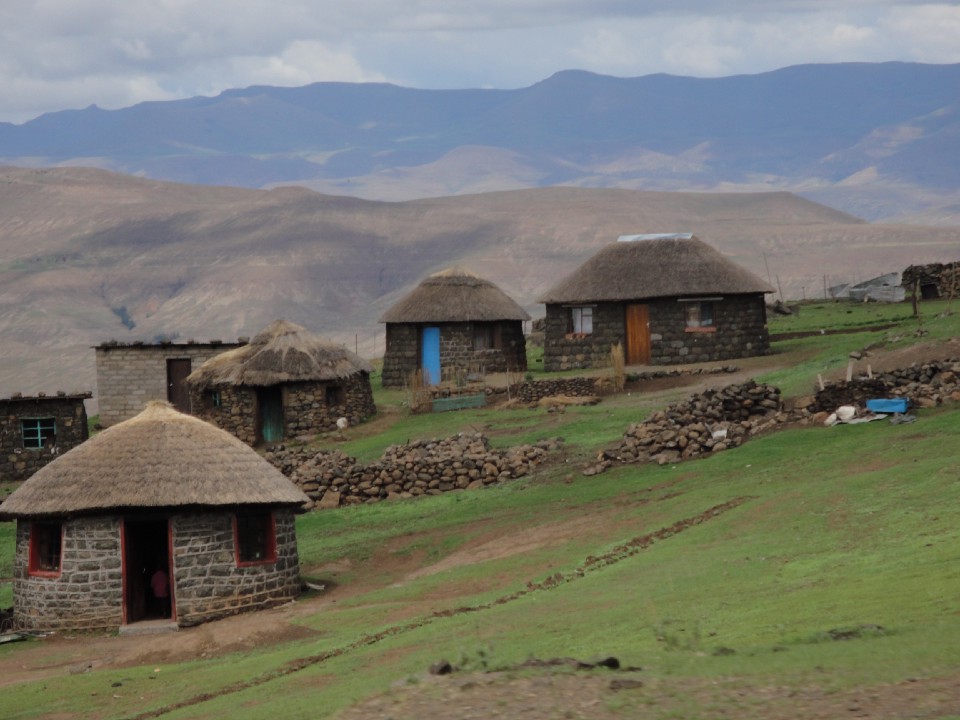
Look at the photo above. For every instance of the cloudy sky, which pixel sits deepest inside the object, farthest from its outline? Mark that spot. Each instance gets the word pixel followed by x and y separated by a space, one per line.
pixel 59 54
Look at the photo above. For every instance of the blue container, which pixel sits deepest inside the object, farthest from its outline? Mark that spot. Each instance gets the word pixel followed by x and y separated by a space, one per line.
pixel 888 405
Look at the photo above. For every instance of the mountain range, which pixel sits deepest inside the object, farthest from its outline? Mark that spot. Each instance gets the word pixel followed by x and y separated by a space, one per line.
pixel 879 141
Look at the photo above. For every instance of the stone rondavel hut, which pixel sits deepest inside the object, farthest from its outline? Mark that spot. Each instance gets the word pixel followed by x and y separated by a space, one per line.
pixel 161 491
pixel 453 322
pixel 286 382
pixel 666 298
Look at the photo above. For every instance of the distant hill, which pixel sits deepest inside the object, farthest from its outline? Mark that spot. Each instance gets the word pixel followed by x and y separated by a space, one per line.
pixel 88 256
pixel 877 140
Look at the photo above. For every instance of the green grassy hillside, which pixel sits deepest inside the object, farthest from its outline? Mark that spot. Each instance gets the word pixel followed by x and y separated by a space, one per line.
pixel 810 562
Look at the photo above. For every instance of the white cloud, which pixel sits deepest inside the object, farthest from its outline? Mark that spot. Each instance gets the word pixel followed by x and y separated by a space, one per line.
pixel 57 54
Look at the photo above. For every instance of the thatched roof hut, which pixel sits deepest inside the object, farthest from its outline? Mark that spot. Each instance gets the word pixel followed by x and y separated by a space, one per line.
pixel 453 324
pixel 654 266
pixel 664 298
pixel 283 352
pixel 160 458
pixel 286 382
pixel 454 295
pixel 162 517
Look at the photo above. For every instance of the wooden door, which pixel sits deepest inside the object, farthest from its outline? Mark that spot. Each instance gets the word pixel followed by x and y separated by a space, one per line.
pixel 637 351
pixel 430 355
pixel 177 393
pixel 270 409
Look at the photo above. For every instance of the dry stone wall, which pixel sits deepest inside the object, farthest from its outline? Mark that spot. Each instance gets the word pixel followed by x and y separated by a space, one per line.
pixel 425 467
pixel 712 421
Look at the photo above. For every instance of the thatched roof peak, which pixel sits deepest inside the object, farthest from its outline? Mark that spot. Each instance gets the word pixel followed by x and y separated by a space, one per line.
pixel 454 295
pixel 160 458
pixel 282 352
pixel 654 266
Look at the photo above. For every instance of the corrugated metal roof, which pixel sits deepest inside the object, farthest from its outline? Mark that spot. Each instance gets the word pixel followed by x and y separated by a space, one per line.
pixel 655 236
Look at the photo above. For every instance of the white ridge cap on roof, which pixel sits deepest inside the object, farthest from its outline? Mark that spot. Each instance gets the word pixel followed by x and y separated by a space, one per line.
pixel 655 236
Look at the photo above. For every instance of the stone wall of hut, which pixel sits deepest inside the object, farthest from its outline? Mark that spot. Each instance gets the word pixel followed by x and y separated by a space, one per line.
pixel 69 416
pixel 130 375
pixel 740 324
pixel 458 358
pixel 563 350
pixel 87 594
pixel 936 280
pixel 207 582
pixel 308 407
pixel 741 331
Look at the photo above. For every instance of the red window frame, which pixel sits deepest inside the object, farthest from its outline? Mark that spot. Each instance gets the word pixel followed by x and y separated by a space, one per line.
pixel 242 523
pixel 38 531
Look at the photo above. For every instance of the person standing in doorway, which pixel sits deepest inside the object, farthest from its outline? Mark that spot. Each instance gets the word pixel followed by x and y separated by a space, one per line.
pixel 160 586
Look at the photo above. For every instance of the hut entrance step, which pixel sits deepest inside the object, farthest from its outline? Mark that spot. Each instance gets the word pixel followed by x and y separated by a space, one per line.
pixel 149 627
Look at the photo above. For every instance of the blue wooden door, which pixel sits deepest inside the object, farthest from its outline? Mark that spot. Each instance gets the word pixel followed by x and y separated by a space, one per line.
pixel 430 355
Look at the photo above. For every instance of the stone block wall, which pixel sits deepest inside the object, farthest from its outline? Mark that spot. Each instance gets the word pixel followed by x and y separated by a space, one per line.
pixel 206 580
pixel 565 351
pixel 740 322
pixel 88 594
pixel 70 420
pixel 306 409
pixel 457 354
pixel 402 356
pixel 129 376
pixel 741 331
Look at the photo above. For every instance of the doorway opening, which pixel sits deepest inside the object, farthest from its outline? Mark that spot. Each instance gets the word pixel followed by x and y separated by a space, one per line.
pixel 147 590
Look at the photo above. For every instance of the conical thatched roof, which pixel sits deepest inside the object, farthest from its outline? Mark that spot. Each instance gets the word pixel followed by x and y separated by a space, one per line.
pixel 454 295
pixel 283 352
pixel 159 458
pixel 644 266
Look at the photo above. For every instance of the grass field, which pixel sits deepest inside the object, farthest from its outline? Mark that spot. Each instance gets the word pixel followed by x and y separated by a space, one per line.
pixel 818 558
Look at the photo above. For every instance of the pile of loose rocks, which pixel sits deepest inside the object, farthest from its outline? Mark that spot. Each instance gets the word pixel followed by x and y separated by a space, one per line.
pixel 925 385
pixel 709 422
pixel 424 467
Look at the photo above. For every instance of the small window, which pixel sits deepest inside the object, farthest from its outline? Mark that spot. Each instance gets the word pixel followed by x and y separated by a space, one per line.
pixel 699 314
pixel 38 432
pixel 256 538
pixel 46 541
pixel 335 395
pixel 581 320
pixel 486 336
pixel 214 400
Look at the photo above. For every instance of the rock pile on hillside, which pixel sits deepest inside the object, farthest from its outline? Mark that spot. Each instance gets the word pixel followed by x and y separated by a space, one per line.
pixel 424 467
pixel 709 422
pixel 925 385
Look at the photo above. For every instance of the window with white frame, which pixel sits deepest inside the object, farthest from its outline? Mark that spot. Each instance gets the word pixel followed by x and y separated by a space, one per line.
pixel 699 314
pixel 581 320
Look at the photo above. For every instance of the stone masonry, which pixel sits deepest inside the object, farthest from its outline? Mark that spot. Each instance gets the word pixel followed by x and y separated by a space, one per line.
pixel 130 375
pixel 308 407
pixel 458 357
pixel 739 322
pixel 88 593
pixel 69 416
pixel 207 581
